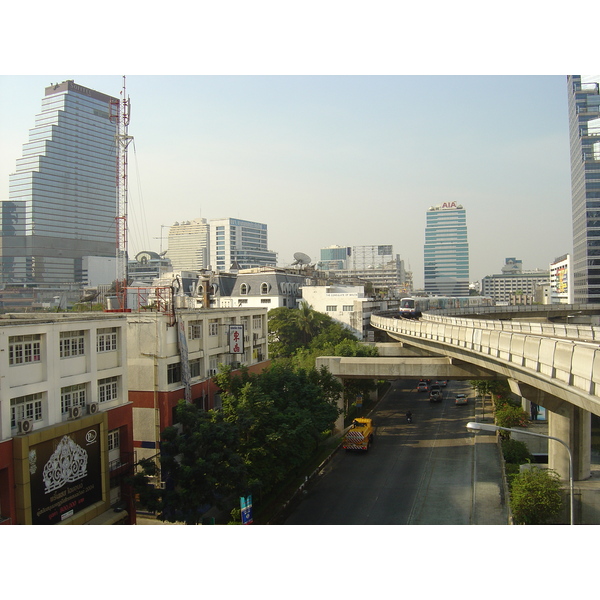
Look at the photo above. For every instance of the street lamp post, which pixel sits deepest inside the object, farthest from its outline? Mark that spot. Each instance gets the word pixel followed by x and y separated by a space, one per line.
pixel 472 426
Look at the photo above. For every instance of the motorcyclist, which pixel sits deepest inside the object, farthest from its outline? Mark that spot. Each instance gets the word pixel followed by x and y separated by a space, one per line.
pixel 409 416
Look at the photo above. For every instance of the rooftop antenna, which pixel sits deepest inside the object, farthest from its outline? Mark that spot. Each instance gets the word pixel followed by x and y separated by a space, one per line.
pixel 119 114
pixel 301 259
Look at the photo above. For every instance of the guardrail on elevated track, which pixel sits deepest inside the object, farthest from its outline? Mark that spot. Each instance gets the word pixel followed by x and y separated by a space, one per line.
pixel 565 356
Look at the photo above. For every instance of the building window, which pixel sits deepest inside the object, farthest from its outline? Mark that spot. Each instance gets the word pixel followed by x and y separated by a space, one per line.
pixel 257 322
pixel 108 389
pixel 244 289
pixel 331 308
pixel 114 440
pixel 213 328
pixel 347 308
pixel 195 330
pixel 106 339
pixel 264 288
pixel 265 300
pixel 25 407
pixel 73 395
pixel 23 349
pixel 174 373
pixel 71 344
pixel 195 367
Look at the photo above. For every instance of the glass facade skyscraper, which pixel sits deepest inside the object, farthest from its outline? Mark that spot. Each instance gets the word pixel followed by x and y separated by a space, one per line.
pixel 62 197
pixel 584 132
pixel 446 259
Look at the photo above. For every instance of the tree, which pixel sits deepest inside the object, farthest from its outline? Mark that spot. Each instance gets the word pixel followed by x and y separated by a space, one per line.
pixel 293 328
pixel 535 497
pixel 280 416
pixel 200 464
pixel 508 415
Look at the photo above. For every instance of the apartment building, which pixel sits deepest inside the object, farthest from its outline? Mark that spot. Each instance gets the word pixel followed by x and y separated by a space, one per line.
pixel 173 354
pixel 66 430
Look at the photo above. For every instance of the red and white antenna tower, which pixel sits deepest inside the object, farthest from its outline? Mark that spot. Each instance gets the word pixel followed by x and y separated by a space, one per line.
pixel 119 114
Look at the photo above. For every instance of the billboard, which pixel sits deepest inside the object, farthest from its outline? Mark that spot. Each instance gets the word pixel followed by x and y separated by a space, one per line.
pixel 65 475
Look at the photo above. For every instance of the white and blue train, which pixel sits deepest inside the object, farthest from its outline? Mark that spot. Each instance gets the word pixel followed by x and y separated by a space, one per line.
pixel 412 308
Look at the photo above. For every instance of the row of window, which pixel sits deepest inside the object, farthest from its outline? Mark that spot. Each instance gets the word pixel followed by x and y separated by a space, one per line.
pixel 30 406
pixel 195 327
pixel 24 349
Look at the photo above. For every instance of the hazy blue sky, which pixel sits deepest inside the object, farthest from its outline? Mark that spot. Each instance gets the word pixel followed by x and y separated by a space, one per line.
pixel 346 160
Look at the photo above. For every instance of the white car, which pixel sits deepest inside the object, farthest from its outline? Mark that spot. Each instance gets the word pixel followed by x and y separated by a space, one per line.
pixel 461 399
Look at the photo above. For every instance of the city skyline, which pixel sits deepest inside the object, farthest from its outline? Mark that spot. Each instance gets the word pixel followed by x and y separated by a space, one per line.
pixel 339 160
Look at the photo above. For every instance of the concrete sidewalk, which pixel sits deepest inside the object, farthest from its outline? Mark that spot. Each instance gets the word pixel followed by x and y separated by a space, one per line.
pixel 490 501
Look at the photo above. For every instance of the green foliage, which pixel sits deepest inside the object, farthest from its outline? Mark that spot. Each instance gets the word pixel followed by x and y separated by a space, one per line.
pixel 269 425
pixel 515 452
pixel 535 497
pixel 199 463
pixel 508 415
pixel 294 328
pixel 280 416
pixel 497 388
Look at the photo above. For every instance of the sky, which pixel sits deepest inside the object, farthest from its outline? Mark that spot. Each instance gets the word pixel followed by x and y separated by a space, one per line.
pixel 332 123
pixel 344 160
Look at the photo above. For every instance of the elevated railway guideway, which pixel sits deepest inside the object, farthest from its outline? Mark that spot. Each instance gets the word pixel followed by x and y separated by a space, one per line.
pixel 554 365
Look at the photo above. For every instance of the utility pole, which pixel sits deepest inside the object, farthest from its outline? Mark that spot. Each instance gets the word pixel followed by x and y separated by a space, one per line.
pixel 119 114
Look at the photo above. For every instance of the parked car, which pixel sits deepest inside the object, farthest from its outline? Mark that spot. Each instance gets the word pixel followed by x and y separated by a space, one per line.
pixel 461 399
pixel 422 386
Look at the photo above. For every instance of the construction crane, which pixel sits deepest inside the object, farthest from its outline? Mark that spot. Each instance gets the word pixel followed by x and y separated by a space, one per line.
pixel 119 114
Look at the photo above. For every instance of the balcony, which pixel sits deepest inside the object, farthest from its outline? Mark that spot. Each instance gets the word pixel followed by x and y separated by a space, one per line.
pixel 122 465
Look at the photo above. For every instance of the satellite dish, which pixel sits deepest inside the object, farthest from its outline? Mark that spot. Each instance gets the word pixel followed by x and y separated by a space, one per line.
pixel 301 259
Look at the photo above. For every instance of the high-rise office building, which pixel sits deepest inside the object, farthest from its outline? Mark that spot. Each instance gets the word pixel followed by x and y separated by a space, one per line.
pixel 189 245
pixel 446 259
pixel 62 197
pixel 584 131
pixel 240 244
pixel 335 257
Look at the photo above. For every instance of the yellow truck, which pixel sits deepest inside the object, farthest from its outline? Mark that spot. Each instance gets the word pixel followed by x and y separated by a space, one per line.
pixel 360 435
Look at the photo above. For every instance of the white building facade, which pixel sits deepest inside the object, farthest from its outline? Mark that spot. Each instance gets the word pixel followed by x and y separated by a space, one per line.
pixel 64 390
pixel 239 244
pixel 189 243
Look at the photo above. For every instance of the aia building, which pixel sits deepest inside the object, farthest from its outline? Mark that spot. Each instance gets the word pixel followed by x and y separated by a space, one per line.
pixel 446 251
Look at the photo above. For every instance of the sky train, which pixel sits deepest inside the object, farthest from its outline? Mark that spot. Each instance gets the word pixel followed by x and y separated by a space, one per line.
pixel 412 308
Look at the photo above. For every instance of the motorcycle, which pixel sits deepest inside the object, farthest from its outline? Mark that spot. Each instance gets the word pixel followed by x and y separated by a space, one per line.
pixel 409 417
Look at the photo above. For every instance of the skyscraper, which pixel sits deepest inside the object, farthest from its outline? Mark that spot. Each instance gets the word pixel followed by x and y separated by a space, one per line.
pixel 240 243
pixel 584 131
pixel 62 197
pixel 189 245
pixel 446 251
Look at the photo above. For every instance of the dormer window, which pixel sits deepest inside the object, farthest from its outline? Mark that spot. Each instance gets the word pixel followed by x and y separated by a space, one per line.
pixel 244 289
pixel 264 288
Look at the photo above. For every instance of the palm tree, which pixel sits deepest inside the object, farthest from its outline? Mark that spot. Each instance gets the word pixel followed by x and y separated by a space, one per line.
pixel 309 322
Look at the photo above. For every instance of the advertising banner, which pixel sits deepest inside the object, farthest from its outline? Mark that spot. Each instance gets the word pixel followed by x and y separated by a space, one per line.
pixel 65 475
pixel 246 506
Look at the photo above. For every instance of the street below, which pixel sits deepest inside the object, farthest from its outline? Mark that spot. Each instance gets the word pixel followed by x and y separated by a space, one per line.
pixel 419 473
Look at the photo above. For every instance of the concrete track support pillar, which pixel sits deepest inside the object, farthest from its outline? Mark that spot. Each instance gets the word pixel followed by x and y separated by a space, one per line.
pixel 567 422
pixel 575 430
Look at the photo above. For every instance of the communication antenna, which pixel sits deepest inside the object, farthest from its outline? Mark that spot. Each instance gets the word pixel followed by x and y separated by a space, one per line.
pixel 119 114
pixel 301 259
